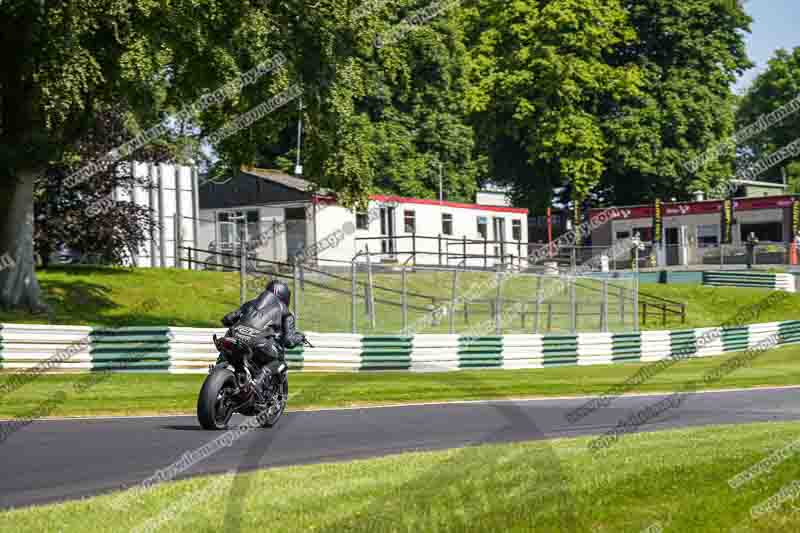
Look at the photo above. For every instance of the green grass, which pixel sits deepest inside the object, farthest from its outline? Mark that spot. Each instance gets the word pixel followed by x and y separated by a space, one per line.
pixel 116 297
pixel 675 478
pixel 122 394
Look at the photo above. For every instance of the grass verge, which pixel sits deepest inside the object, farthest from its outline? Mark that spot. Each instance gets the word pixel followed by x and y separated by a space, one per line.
pixel 128 394
pixel 154 296
pixel 674 479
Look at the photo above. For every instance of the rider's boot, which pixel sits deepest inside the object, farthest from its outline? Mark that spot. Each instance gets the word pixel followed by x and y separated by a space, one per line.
pixel 261 378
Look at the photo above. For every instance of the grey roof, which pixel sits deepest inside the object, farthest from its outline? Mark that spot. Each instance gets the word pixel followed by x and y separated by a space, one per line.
pixel 277 176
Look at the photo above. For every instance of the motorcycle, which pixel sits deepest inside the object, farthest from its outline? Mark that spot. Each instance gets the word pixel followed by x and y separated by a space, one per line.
pixel 232 386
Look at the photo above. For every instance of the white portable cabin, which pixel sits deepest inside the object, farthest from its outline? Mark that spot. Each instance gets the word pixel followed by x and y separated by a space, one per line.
pixel 280 216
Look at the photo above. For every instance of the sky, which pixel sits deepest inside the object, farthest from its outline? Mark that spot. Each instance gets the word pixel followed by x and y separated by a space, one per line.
pixel 776 24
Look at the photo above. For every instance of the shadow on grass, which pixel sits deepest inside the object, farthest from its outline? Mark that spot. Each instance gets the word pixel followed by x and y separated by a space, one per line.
pixel 81 302
pixel 88 270
pixel 70 302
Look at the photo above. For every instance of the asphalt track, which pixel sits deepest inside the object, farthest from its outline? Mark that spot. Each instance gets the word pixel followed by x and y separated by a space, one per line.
pixel 54 460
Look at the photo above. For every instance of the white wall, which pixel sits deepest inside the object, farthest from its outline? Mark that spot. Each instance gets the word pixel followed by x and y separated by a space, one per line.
pixel 428 224
pixel 171 187
pixel 333 231
pixel 492 198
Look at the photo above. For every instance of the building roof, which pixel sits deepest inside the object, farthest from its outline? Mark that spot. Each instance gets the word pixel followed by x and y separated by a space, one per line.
pixel 277 176
pixel 758 183
pixel 302 185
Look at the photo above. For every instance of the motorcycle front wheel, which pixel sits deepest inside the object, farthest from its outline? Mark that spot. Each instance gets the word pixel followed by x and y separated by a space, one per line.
pixel 214 405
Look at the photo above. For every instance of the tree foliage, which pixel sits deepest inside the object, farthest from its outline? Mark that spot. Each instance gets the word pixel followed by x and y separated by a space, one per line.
pixel 150 56
pixel 777 87
pixel 89 218
pixel 600 99
pixel 690 53
pixel 604 97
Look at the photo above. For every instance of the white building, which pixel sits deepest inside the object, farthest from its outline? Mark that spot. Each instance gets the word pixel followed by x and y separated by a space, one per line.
pixel 285 217
pixel 171 194
pixel 493 194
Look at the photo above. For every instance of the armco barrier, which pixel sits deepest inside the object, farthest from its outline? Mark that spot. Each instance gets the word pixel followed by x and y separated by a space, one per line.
pixel 190 350
pixel 759 280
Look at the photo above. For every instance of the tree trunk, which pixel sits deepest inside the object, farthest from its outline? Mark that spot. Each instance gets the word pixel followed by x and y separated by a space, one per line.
pixel 19 287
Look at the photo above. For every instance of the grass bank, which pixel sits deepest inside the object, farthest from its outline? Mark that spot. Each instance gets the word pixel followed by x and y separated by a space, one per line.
pixel 117 296
pixel 675 481
pixel 129 394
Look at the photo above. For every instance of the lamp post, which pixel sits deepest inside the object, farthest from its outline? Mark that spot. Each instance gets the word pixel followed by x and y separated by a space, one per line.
pixel 637 246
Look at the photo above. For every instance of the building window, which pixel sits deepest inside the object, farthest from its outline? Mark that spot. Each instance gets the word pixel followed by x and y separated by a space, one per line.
pixel 253 228
pixel 409 222
pixel 482 227
pixel 765 231
pixel 645 234
pixel 516 230
pixel 622 235
pixel 362 220
pixel 447 224
pixel 707 235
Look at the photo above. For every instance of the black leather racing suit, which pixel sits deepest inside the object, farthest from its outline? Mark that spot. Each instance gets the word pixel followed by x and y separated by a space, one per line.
pixel 257 320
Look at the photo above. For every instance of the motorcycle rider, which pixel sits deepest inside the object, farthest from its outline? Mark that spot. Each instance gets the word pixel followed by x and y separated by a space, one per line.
pixel 257 320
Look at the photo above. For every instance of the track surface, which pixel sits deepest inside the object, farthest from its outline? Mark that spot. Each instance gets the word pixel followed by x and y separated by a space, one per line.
pixel 53 460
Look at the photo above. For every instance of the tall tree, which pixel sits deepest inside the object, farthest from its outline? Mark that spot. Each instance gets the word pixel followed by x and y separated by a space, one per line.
pixel 689 53
pixel 542 77
pixel 606 99
pixel 384 102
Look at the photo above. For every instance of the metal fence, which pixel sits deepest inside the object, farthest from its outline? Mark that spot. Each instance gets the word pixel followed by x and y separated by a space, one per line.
pixel 375 298
pixel 721 256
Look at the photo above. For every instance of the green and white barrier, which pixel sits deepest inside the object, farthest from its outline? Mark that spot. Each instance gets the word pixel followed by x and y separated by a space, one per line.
pixel 435 353
pixel 523 351
pixel 64 348
pixel 190 350
pixel 758 280
pixel 131 348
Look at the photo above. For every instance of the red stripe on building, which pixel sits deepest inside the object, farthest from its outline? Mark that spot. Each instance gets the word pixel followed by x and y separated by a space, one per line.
pixel 319 199
pixel 700 208
pixel 457 205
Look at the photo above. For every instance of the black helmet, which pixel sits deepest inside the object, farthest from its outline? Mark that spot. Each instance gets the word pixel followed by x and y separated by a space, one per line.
pixel 281 290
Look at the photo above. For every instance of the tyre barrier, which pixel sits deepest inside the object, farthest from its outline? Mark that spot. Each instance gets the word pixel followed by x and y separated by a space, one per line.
pixel 47 348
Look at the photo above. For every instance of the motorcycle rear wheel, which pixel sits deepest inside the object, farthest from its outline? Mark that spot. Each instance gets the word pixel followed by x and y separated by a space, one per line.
pixel 214 407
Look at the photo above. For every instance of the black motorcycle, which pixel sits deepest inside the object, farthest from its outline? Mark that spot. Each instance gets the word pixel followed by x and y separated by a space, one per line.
pixel 232 386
